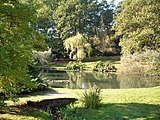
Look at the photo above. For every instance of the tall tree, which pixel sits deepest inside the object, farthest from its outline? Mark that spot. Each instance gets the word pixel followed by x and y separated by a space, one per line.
pixel 16 45
pixel 83 16
pixel 139 24
pixel 61 19
pixel 46 25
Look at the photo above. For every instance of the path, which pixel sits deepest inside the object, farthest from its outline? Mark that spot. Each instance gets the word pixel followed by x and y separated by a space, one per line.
pixel 38 96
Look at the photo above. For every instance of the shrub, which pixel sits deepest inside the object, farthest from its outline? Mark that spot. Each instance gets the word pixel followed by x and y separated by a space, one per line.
pixel 75 66
pixel 91 98
pixel 35 75
pixel 104 67
pixel 155 70
pixel 140 63
pixel 40 84
pixel 69 113
pixel 42 57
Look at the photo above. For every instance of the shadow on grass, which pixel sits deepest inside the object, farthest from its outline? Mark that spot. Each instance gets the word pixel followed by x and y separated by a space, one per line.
pixel 25 113
pixel 115 111
pixel 132 111
pixel 118 111
pixel 40 92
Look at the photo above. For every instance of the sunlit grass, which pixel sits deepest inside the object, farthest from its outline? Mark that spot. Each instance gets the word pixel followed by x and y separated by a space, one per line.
pixel 89 62
pixel 117 104
pixel 122 104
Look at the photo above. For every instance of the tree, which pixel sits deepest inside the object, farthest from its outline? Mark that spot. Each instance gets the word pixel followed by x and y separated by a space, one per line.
pixel 61 19
pixel 83 16
pixel 46 25
pixel 77 47
pixel 119 7
pixel 139 24
pixel 16 44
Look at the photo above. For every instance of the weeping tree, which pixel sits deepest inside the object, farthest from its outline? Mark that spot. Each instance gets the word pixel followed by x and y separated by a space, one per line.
pixel 77 47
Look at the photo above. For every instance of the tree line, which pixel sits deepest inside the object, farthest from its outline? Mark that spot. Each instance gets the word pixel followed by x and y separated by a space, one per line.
pixel 80 26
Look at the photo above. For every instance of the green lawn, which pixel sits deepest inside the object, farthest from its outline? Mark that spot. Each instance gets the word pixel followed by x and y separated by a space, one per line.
pixel 117 104
pixel 122 104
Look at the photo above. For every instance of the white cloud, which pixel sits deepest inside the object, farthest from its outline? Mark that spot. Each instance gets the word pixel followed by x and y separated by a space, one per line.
pixel 116 1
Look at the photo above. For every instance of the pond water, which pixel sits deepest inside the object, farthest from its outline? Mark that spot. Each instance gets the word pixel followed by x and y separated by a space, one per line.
pixel 83 80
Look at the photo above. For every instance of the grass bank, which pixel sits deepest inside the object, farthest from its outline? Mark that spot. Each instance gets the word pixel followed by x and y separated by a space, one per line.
pixel 117 104
pixel 121 104
pixel 89 62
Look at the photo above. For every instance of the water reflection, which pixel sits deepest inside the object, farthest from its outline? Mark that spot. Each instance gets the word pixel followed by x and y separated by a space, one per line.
pixel 83 80
pixel 137 81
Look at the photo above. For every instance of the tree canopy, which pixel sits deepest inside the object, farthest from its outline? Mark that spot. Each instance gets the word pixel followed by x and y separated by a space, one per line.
pixel 61 19
pixel 85 17
pixel 139 24
pixel 16 44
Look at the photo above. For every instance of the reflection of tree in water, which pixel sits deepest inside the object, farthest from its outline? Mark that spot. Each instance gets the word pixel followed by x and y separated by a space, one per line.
pixel 104 76
pixel 106 80
pixel 137 81
pixel 83 80
pixel 76 79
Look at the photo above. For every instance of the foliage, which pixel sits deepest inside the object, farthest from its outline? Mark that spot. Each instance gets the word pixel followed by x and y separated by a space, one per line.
pixel 16 45
pixel 46 25
pixel 61 19
pixel 78 47
pixel 75 66
pixel 17 41
pixel 140 63
pixel 119 7
pixel 105 45
pixel 155 70
pixel 104 67
pixel 40 83
pixel 35 75
pixel 91 98
pixel 83 16
pixel 42 57
pixel 139 24
pixel 67 113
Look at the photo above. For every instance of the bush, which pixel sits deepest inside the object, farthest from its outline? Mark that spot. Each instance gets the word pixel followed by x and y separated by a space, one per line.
pixel 104 67
pixel 69 113
pixel 140 63
pixel 75 66
pixel 42 57
pixel 40 84
pixel 91 98
pixel 35 75
pixel 155 70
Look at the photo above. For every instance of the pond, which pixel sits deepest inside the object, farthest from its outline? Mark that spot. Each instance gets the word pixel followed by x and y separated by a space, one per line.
pixel 83 80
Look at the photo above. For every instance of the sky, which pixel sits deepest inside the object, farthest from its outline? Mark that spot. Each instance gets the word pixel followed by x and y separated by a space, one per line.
pixel 116 1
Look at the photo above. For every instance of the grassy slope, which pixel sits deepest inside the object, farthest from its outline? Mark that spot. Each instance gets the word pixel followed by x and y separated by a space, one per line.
pixel 120 104
pixel 117 104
